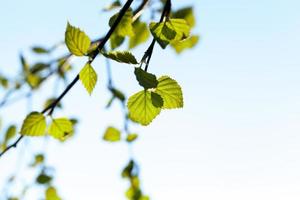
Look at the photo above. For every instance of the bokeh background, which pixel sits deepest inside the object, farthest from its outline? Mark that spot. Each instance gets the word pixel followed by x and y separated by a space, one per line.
pixel 237 136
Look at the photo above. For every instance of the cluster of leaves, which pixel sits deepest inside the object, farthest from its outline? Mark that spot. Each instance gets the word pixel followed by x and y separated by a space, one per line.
pixel 157 94
pixel 131 173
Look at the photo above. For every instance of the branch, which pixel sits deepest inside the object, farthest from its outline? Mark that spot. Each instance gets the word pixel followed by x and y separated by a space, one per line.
pixel 69 87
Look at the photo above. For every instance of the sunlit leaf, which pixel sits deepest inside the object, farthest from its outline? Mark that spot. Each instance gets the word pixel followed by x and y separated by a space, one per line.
pixel 124 28
pixel 141 34
pixel 186 13
pixel 51 194
pixel 188 43
pixel 112 135
pixel 88 77
pixel 77 41
pixel 141 109
pixel 60 127
pixel 34 125
pixel 170 91
pixel 170 30
pixel 121 56
pixel 131 137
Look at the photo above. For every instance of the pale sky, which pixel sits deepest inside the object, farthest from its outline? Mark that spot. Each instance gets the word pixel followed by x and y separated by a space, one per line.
pixel 237 136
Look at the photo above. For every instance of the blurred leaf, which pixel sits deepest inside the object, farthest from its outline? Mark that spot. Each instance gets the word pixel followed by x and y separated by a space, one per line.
pixel 186 13
pixel 141 34
pixel 38 159
pixel 168 31
pixel 131 137
pixel 125 26
pixel 33 80
pixel 25 65
pixel 39 67
pixel 121 57
pixel 3 82
pixel 43 179
pixel 40 50
pixel 34 125
pixel 88 77
pixel 112 135
pixel 116 41
pixel 51 194
pixel 188 43
pixel 77 41
pixel 141 109
pixel 49 101
pixel 118 94
pixel 60 127
pixel 170 91
pixel 115 4
pixel 145 79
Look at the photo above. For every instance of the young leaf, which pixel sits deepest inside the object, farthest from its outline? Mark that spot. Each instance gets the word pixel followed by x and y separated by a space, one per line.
pixel 60 127
pixel 121 57
pixel 38 159
pixel 44 179
pixel 40 50
pixel 141 34
pixel 116 41
pixel 188 43
pixel 34 125
pixel 88 77
pixel 125 26
pixel 157 100
pixel 170 91
pixel 77 41
pixel 141 109
pixel 168 31
pixel 186 13
pixel 112 135
pixel 10 133
pixel 145 79
pixel 51 194
pixel 131 137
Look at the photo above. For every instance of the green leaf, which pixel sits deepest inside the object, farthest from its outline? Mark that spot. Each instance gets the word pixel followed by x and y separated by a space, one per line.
pixel 43 178
pixel 145 79
pixel 113 5
pixel 118 94
pixel 112 135
pixel 38 159
pixel 141 34
pixel 124 28
pixel 186 13
pixel 10 133
pixel 188 43
pixel 77 41
pixel 4 82
pixel 121 57
pixel 88 77
pixel 141 109
pixel 131 137
pixel 60 127
pixel 116 41
pixel 170 30
pixel 40 50
pixel 49 101
pixel 51 194
pixel 34 125
pixel 170 91
pixel 157 100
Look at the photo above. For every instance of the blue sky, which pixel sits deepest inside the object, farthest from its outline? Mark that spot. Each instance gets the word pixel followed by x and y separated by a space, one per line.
pixel 238 134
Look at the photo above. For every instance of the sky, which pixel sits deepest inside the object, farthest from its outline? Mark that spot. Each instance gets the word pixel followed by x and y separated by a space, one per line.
pixel 237 136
